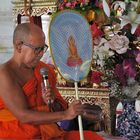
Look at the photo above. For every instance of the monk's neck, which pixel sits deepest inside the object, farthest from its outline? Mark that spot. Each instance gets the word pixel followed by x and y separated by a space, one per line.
pixel 19 64
pixel 23 73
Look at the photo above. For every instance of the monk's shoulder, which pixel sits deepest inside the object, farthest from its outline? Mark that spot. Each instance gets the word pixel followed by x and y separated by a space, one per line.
pixel 3 70
pixel 6 73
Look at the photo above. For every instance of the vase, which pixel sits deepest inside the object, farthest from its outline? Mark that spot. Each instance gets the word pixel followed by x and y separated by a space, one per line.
pixel 128 121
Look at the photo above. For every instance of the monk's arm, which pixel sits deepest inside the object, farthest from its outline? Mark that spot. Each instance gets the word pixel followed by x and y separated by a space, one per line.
pixel 12 95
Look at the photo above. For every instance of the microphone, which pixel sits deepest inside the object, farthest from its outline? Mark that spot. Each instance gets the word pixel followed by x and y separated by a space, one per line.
pixel 44 73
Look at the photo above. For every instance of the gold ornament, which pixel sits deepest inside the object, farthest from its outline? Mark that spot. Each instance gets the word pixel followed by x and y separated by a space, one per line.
pixel 90 15
pixel 138 7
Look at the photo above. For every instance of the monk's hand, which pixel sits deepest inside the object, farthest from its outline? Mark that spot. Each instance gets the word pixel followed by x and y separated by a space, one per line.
pixel 75 108
pixel 47 95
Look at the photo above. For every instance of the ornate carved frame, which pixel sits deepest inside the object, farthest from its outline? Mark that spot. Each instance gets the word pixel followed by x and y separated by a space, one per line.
pixel 37 7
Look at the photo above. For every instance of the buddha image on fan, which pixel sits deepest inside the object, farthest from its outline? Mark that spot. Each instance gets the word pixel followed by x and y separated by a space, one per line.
pixel 74 61
pixel 73 58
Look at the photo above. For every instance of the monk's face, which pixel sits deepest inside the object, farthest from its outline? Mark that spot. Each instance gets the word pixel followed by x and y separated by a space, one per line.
pixel 33 48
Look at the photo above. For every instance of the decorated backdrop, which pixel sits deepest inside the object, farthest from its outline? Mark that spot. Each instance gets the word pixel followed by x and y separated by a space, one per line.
pixel 116 40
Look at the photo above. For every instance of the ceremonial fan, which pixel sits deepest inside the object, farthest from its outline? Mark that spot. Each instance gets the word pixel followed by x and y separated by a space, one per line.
pixel 71 48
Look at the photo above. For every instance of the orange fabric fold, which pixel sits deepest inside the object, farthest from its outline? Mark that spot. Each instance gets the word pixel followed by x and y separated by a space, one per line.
pixel 6 115
pixel 49 131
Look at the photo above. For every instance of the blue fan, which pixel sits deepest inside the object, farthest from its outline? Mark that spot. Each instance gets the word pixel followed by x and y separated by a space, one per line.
pixel 71 47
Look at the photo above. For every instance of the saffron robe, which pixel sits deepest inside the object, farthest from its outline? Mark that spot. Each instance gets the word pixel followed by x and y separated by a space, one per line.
pixel 12 128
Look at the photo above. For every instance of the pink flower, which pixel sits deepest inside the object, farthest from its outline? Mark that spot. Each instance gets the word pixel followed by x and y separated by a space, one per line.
pixel 96 32
pixel 83 2
pixel 61 8
pixel 98 4
pixel 138 58
pixel 119 43
pixel 129 68
pixel 118 71
pixel 68 4
pixel 73 4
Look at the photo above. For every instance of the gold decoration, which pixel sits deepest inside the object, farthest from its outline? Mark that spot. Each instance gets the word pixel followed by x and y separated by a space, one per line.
pixel 95 85
pixel 137 43
pixel 34 7
pixel 60 80
pixel 26 8
pixel 83 82
pixel 90 15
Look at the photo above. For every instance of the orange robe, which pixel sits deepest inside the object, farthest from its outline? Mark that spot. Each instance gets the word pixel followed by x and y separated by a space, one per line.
pixel 12 128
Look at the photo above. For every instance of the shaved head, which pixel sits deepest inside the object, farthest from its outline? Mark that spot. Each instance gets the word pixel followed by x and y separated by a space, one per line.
pixel 24 30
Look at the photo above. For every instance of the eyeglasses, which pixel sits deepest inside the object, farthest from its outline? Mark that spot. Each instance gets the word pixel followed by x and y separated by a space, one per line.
pixel 37 50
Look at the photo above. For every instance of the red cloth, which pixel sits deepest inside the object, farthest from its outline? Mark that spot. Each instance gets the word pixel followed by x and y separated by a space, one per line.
pixel 88 135
pixel 137 32
pixel 14 129
pixel 96 31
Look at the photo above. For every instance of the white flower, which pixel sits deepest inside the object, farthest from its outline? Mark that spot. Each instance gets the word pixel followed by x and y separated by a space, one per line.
pixel 106 8
pixel 115 5
pixel 131 81
pixel 119 43
pixel 132 89
pixel 102 52
pixel 133 18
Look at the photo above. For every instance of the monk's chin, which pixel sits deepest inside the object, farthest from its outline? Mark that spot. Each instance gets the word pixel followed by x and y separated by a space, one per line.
pixel 33 64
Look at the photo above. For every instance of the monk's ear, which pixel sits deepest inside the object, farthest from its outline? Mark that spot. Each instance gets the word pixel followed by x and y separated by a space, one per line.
pixel 18 45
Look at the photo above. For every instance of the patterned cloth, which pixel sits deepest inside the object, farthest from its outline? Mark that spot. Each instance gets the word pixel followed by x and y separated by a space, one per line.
pixel 128 122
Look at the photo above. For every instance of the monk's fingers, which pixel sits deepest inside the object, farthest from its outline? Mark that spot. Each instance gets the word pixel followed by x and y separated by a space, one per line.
pixel 49 97
pixel 78 109
pixel 46 92
pixel 76 102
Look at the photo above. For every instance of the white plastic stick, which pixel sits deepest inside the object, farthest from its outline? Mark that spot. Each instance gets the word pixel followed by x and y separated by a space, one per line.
pixel 79 116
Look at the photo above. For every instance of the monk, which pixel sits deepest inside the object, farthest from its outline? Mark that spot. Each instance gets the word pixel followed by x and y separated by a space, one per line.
pixel 24 115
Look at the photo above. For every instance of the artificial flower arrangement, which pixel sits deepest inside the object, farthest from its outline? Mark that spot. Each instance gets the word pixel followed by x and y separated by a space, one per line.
pixel 116 30
pixel 117 53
